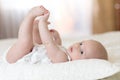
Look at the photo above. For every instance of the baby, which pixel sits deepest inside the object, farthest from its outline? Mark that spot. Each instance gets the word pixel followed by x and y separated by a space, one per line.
pixel 38 44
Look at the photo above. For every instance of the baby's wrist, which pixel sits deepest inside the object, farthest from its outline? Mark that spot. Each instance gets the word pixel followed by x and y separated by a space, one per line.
pixel 43 21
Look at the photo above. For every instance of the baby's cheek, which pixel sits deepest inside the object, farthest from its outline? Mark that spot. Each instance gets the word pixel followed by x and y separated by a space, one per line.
pixel 74 56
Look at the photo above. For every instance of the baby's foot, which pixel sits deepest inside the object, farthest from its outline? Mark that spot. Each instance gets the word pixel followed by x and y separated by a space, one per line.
pixel 37 11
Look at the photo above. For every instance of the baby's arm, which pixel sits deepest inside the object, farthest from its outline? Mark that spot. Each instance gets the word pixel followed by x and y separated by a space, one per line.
pixel 53 51
pixel 24 43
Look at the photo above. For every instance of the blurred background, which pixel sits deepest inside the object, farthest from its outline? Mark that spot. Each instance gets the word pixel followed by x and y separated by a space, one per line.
pixel 69 17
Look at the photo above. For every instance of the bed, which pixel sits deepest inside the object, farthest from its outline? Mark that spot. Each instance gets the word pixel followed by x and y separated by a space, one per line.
pixel 87 70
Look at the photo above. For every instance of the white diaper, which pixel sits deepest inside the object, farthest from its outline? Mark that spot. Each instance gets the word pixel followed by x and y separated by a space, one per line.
pixel 37 56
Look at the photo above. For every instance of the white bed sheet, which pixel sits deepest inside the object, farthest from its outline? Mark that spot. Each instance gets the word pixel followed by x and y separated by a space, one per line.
pixel 110 40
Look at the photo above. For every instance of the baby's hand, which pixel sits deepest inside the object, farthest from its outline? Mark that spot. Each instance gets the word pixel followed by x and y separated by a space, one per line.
pixel 37 11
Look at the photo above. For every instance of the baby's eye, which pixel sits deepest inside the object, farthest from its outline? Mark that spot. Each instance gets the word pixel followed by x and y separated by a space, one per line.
pixel 80 43
pixel 81 52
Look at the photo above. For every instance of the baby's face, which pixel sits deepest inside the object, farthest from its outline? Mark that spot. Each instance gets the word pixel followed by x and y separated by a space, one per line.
pixel 86 50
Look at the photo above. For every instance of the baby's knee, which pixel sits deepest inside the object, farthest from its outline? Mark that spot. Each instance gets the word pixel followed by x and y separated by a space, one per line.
pixel 56 36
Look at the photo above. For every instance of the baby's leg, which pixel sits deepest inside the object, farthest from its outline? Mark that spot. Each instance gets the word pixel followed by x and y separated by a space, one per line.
pixel 36 36
pixel 24 43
